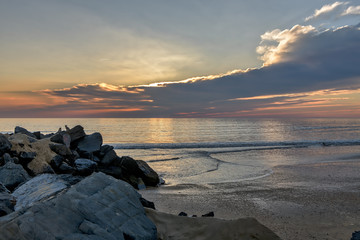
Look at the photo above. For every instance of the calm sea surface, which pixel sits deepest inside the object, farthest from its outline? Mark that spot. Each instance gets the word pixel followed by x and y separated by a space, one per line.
pixel 216 150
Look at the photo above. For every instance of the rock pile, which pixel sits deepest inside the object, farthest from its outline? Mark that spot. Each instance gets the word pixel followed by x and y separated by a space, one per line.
pixel 67 185
pixel 25 154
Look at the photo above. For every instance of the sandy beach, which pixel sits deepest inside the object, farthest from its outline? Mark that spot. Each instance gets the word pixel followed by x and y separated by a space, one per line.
pixel 308 201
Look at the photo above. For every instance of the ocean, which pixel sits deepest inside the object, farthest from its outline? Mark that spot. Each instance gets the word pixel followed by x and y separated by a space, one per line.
pixel 216 150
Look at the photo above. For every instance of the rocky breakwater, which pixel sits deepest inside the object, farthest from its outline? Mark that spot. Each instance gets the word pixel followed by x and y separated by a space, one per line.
pixel 68 185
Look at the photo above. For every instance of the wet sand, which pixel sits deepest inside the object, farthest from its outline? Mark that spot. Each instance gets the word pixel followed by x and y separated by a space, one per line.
pixel 309 201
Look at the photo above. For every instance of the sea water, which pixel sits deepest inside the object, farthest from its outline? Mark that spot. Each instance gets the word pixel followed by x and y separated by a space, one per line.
pixel 193 150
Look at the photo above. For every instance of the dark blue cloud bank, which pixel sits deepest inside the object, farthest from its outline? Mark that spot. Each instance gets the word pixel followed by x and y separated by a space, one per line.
pixel 297 62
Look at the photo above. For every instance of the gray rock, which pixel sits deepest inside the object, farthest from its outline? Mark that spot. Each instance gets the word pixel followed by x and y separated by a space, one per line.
pixel 85 166
pixel 26 157
pixel 129 165
pixel 149 176
pixel 104 149
pixel 66 168
pixel 56 161
pixel 109 158
pixel 70 179
pixel 11 175
pixel 7 201
pixel 38 135
pixel 7 158
pixel 76 133
pixel 114 171
pixel 24 131
pixel 60 149
pixel 38 188
pixel 90 144
pixel 5 145
pixel 99 207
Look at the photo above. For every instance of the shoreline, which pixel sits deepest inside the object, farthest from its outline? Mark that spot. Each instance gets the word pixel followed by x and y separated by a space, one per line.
pixel 304 201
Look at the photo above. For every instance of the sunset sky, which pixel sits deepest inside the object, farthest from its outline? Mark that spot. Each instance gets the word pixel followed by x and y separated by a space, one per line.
pixel 190 58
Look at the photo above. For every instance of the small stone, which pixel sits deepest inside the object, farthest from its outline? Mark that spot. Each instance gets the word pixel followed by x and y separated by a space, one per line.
pixel 146 203
pixel 209 214
pixel 182 214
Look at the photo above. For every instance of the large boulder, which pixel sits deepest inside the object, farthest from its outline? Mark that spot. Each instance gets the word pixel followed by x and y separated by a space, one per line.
pixel 85 166
pixel 76 133
pixel 90 144
pixel 44 155
pixel 24 131
pixel 38 188
pixel 11 175
pixel 60 149
pixel 148 175
pixel 98 207
pixel 5 145
pixel 134 169
pixel 61 137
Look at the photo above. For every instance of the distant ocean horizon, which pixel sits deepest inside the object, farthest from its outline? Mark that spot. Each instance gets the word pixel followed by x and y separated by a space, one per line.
pixel 213 150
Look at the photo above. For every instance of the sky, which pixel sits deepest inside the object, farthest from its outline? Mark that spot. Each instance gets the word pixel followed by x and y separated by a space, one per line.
pixel 189 58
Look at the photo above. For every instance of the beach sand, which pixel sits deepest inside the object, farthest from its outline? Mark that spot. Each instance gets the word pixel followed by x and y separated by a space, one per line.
pixel 309 201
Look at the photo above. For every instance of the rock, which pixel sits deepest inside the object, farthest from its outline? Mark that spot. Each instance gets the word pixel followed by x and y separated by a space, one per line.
pixel 113 171
pixel 129 165
pixel 66 168
pixel 355 235
pixel 26 157
pixel 60 149
pixel 70 179
pixel 56 161
pixel 162 181
pixel 7 201
pixel 140 184
pixel 5 144
pixel 85 166
pixel 105 149
pixel 147 203
pixel 11 175
pixel 210 214
pixel 24 131
pixel 76 133
pixel 182 214
pixel 44 155
pixel 109 158
pixel 98 207
pixel 38 135
pixel 58 137
pixel 149 176
pixel 38 188
pixel 89 144
pixel 7 158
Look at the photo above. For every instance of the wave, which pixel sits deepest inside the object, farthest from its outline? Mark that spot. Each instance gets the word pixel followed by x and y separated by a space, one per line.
pixel 235 144
pixel 340 128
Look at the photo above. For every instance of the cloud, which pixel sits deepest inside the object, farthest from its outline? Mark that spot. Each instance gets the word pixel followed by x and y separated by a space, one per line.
pixel 310 70
pixel 352 10
pixel 275 44
pixel 306 72
pixel 326 10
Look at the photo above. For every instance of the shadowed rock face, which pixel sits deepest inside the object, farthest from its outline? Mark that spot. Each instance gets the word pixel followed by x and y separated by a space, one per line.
pixel 5 145
pixel 11 175
pixel 98 207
